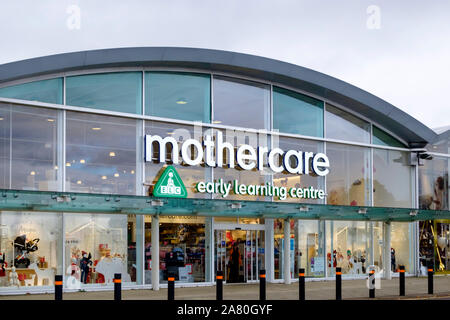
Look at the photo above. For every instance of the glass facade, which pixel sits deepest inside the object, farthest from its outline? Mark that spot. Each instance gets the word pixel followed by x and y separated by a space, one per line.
pixel 50 91
pixel 120 91
pixel 181 96
pixel 54 150
pixel 296 113
pixel 249 100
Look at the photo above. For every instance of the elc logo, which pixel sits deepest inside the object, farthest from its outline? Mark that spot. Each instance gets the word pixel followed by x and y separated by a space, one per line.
pixel 170 185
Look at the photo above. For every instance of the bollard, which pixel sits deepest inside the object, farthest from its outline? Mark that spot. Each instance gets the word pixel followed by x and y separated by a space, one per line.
pixel 430 278
pixel 117 286
pixel 219 285
pixel 58 287
pixel 171 288
pixel 372 284
pixel 338 284
pixel 402 280
pixel 301 284
pixel 262 284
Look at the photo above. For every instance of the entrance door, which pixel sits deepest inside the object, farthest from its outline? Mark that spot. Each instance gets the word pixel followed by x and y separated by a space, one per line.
pixel 239 254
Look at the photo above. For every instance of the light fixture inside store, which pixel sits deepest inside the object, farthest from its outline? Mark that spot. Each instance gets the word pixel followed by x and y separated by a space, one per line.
pixel 132 171
pixel 68 164
pixel 32 173
pixel 55 167
pixel 217 121
pixel 51 120
pixel 96 128
pixel 82 161
pixel 1 118
pixel 181 101
pixel 104 177
pixel 116 175
pixel 79 182
pixel 112 154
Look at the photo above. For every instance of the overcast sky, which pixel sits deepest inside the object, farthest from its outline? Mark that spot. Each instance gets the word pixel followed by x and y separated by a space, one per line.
pixel 398 50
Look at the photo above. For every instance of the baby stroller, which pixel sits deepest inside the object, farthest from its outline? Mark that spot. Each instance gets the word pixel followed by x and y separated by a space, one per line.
pixel 21 250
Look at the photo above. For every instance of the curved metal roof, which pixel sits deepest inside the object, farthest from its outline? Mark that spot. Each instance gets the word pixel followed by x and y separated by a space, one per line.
pixel 358 100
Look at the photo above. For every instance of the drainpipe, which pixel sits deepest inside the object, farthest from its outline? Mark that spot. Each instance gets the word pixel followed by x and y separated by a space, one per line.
pixel 155 253
pixel 287 253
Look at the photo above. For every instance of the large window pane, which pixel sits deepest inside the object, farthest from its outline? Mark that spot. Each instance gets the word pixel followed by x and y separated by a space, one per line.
pixel 384 139
pixel 50 91
pixel 241 103
pixel 182 96
pixel 342 125
pixel 433 184
pixel 348 182
pixel 28 147
pixel 190 175
pixel 32 244
pixel 100 154
pixel 297 113
pixel 309 251
pixel 121 92
pixel 392 182
pixel 95 249
pixel 401 252
pixel 289 180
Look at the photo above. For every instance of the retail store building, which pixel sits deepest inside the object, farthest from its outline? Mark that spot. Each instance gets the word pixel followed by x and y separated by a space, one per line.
pixel 177 161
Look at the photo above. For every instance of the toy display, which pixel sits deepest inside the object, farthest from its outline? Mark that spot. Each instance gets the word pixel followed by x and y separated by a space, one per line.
pixel 14 278
pixel 3 264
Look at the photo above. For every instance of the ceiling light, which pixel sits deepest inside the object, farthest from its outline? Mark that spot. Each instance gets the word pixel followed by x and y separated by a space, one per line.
pixel 1 118
pixel 55 167
pixel 79 182
pixel 132 171
pixel 170 132
pixel 32 173
pixel 68 164
pixel 104 177
pixel 181 101
pixel 96 129
pixel 112 154
pixel 116 175
pixel 217 121
pixel 51 120
pixel 82 161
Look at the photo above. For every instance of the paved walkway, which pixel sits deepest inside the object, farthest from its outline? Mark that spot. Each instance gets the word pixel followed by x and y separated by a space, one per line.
pixel 416 288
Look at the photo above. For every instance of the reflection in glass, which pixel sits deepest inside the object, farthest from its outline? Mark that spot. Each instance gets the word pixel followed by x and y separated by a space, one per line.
pixel 28 147
pixel 31 244
pixel 342 125
pixel 348 182
pixel 95 249
pixel 382 138
pixel 401 253
pixel 120 91
pixel 309 251
pixel 241 103
pixel 296 113
pixel 100 154
pixel 50 91
pixel 392 182
pixel 184 96
pixel 433 184
pixel 279 248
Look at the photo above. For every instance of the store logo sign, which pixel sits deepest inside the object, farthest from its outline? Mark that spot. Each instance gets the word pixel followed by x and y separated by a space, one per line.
pixel 170 185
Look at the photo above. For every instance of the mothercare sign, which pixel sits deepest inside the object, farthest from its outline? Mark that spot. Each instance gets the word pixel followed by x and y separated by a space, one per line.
pixel 212 152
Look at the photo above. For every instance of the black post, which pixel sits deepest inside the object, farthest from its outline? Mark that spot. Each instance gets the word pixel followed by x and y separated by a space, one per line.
pixel 117 286
pixel 262 284
pixel 338 284
pixel 301 284
pixel 402 280
pixel 58 287
pixel 171 287
pixel 430 277
pixel 219 285
pixel 372 284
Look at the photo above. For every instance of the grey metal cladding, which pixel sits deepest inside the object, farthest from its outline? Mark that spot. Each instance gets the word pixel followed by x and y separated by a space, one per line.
pixel 332 89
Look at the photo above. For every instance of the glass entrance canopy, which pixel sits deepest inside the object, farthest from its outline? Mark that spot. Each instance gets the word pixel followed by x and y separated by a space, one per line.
pixel 45 201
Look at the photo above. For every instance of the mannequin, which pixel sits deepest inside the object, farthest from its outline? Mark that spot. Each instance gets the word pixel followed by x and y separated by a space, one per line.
pixel 85 262
pixel 14 277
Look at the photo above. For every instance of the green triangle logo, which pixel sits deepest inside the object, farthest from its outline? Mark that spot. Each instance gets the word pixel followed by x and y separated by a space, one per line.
pixel 170 185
